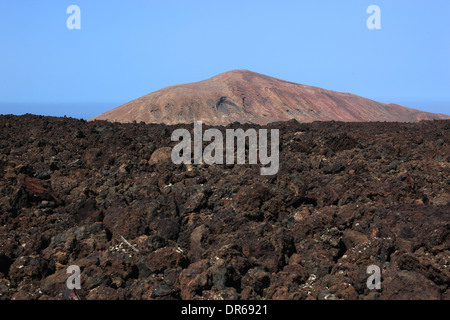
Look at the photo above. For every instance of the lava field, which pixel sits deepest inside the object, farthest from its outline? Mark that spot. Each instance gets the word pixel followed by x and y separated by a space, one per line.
pixel 107 197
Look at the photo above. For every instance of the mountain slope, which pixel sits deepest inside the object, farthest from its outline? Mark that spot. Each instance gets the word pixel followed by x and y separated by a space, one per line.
pixel 246 96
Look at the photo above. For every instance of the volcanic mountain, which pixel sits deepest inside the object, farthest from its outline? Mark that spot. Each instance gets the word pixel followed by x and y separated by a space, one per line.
pixel 249 97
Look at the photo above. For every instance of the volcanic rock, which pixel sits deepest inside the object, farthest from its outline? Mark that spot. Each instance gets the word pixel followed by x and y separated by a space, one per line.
pixel 346 196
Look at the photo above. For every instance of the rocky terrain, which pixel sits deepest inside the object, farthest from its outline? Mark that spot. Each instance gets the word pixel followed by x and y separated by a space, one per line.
pixel 347 196
pixel 249 97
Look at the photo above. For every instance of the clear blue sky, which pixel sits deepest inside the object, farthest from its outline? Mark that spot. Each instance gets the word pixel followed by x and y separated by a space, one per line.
pixel 126 49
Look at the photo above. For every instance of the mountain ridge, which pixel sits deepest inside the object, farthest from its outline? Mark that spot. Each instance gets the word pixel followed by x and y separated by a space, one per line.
pixel 249 97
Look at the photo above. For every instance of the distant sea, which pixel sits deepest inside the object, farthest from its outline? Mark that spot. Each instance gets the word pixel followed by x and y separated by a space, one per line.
pixel 74 110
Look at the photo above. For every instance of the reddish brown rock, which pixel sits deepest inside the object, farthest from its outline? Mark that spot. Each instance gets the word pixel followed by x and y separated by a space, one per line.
pixel 166 258
pixel 351 238
pixel 194 279
pixel 407 285
pixel 160 155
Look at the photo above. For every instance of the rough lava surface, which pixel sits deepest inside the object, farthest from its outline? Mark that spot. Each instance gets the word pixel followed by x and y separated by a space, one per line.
pixel 347 196
pixel 249 97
